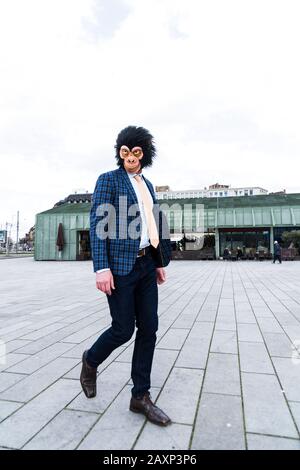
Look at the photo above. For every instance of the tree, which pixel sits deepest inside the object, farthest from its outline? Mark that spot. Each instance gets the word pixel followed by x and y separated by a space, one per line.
pixel 292 237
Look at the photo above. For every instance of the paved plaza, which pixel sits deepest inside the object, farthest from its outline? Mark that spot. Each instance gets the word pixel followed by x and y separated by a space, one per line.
pixel 226 367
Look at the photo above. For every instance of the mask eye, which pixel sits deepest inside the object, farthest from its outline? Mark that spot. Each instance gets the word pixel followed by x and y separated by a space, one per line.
pixel 137 152
pixel 124 151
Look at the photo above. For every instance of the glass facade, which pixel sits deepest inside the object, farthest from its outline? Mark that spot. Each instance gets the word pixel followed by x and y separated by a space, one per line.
pixel 83 245
pixel 249 240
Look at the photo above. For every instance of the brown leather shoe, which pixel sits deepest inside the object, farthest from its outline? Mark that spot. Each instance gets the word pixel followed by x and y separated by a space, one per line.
pixel 88 378
pixel 145 406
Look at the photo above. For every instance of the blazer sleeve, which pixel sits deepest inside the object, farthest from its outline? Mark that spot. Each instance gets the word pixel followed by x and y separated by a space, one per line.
pixel 103 195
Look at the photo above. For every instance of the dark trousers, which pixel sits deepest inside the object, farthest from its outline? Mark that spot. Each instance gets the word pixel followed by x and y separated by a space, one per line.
pixel 277 256
pixel 133 303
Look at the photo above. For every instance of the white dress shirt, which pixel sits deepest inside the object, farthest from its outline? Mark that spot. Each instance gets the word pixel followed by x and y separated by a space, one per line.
pixel 144 234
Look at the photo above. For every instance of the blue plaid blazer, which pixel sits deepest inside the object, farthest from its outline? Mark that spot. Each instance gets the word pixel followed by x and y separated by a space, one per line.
pixel 117 250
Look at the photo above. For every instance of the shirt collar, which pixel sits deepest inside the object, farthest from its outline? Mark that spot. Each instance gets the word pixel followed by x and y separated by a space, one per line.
pixel 132 175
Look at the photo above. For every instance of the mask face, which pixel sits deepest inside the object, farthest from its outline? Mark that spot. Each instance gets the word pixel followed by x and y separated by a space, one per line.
pixel 131 158
pixel 134 145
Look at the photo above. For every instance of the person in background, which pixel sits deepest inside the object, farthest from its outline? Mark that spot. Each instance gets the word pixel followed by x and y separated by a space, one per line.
pixel 226 253
pixel 277 252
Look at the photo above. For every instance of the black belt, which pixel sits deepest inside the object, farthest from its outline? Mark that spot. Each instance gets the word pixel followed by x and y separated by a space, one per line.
pixel 144 251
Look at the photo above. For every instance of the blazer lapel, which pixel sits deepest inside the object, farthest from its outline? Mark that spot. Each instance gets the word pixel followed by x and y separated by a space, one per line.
pixel 125 179
pixel 150 188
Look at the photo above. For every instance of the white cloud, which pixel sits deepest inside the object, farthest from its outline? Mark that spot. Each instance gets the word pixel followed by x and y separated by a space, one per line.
pixel 216 82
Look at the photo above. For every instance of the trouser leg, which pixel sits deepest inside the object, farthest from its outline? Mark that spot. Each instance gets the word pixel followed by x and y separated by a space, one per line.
pixel 146 304
pixel 122 310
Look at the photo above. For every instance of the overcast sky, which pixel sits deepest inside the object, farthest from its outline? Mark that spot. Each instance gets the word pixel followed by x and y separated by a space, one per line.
pixel 217 83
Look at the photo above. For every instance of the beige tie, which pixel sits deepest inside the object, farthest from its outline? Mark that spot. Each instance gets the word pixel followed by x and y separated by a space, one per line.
pixel 151 224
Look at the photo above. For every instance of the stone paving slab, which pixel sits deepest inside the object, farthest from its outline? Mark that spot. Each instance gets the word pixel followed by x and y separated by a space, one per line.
pixel 195 350
pixel 7 408
pixel 224 342
pixel 254 358
pixel 278 345
pixel 226 367
pixel 175 437
pixel 219 424
pixel 180 394
pixel 249 332
pixel 222 374
pixel 173 339
pixel 266 411
pixel 64 432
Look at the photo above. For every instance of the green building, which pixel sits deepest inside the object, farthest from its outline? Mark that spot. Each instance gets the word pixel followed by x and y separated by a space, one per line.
pixel 249 222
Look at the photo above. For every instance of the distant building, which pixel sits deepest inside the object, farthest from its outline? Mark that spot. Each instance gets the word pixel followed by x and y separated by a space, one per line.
pixel 283 191
pixel 75 198
pixel 28 241
pixel 3 238
pixel 164 192
pixel 160 189
pixel 250 223
pixel 214 190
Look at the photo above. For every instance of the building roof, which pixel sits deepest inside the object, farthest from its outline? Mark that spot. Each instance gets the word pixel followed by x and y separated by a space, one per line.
pixel 81 197
pixel 210 189
pixel 69 208
pixel 210 203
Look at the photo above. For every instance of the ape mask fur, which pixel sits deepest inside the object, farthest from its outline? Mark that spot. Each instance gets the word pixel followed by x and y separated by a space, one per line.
pixel 133 136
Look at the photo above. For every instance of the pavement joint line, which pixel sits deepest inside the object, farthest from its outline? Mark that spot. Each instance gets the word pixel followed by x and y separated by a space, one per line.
pixel 274 435
pixel 257 373
pixel 81 411
pixel 206 363
pixel 222 394
pixel 240 373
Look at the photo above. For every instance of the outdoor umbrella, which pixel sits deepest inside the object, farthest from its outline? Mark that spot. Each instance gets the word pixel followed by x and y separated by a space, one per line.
pixel 60 238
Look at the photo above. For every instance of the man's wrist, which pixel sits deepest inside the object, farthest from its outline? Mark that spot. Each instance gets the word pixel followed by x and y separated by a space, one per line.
pixel 102 270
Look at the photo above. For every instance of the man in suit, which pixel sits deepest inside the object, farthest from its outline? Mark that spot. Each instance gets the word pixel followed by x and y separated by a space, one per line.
pixel 130 246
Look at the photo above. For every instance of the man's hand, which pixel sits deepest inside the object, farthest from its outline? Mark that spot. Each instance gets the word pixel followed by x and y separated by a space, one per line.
pixel 160 275
pixel 105 281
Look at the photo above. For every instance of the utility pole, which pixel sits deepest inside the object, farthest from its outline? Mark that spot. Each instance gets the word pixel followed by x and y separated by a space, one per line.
pixel 8 234
pixel 6 228
pixel 17 242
